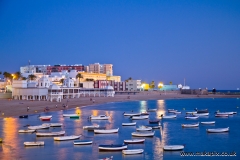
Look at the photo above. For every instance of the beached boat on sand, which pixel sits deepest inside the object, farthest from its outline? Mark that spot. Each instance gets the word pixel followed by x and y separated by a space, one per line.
pixel 112 147
pixel 190 125
pixel 132 151
pixel 26 131
pixel 129 124
pixel 130 141
pixel 48 134
pixel 143 134
pixel 106 131
pixel 65 138
pixel 218 130
pixel 173 147
pixel 82 142
pixel 210 122
pixel 38 143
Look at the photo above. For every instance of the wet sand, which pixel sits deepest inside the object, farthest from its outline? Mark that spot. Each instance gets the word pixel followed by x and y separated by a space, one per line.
pixel 10 108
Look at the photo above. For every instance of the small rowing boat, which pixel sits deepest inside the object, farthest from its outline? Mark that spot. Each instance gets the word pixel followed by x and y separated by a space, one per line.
pixel 130 141
pixel 144 113
pixel 143 134
pixel 193 112
pixel 38 143
pixel 144 128
pixel 48 134
pixel 91 127
pixel 218 130
pixel 172 110
pixel 82 142
pixel 190 125
pixel 71 115
pixel 106 131
pixel 139 117
pixel 26 131
pixel 112 147
pixel 132 151
pixel 129 124
pixel 132 114
pixel 210 122
pixel 202 111
pixel 201 114
pixel 45 117
pixel 229 113
pixel 65 138
pixel 173 147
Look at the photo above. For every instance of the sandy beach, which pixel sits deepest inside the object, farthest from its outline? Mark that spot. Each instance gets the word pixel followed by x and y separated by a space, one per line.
pixel 10 108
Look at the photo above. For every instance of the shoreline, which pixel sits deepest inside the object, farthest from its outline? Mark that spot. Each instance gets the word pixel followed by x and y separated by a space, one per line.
pixel 12 108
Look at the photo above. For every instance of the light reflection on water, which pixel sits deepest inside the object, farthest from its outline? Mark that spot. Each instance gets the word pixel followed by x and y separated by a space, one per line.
pixel 194 139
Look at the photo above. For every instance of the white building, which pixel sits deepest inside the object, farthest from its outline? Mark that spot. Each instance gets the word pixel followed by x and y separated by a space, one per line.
pixel 133 85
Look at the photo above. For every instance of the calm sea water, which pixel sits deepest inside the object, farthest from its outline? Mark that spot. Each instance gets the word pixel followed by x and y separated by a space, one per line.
pixel 194 139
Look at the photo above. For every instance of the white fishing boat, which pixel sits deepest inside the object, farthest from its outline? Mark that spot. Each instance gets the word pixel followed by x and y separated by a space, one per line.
pixel 132 151
pixel 172 110
pixel 210 122
pixel 47 134
pixel 132 114
pixel 152 110
pixel 140 117
pixel 26 131
pixel 173 147
pixel 130 141
pixel 65 138
pixel 37 143
pixel 191 117
pixel 218 130
pixel 129 124
pixel 154 126
pixel 82 142
pixel 53 124
pixel 193 112
pixel 100 117
pixel 112 147
pixel 221 115
pixel 91 127
pixel 229 113
pixel 144 128
pixel 106 131
pixel 71 115
pixel 190 125
pixel 169 116
pixel 45 117
pixel 39 127
pixel 143 134
pixel 201 114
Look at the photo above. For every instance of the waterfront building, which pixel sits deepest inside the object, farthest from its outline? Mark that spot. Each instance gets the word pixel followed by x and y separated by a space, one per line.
pixel 101 68
pixel 133 85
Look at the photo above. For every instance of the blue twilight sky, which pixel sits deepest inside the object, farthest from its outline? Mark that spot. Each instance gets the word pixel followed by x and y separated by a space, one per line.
pixel 161 40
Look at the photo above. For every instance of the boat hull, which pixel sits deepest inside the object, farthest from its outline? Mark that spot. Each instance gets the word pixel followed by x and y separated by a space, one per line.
pixel 173 147
pixel 132 141
pixel 50 134
pixel 132 151
pixel 66 138
pixel 82 142
pixel 218 130
pixel 212 122
pixel 105 131
pixel 112 147
pixel 39 143
pixel 129 124
pixel 142 134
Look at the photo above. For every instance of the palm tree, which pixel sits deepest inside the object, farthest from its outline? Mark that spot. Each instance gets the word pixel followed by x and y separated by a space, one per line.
pixel 17 75
pixel 170 83
pixel 152 85
pixel 79 76
pixel 32 77
pixel 7 75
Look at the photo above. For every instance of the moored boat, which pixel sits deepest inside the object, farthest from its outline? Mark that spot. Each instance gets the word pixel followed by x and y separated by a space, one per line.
pixel 156 126
pixel 47 134
pixel 193 112
pixel 65 138
pixel 53 124
pixel 191 117
pixel 143 134
pixel 144 113
pixel 190 125
pixel 173 147
pixel 70 115
pixel 131 114
pixel 37 143
pixel 221 115
pixel 39 127
pixel 229 113
pixel 100 117
pixel 218 130
pixel 129 124
pixel 132 151
pixel 91 127
pixel 144 128
pixel 210 122
pixel 201 114
pixel 82 142
pixel 139 117
pixel 26 131
pixel 169 116
pixel 134 141
pixel 106 131
pixel 172 110
pixel 23 116
pixel 112 147
pixel 45 117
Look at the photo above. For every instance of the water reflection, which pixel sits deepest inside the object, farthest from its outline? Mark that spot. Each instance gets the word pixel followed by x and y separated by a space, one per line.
pixel 161 108
pixel 143 106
